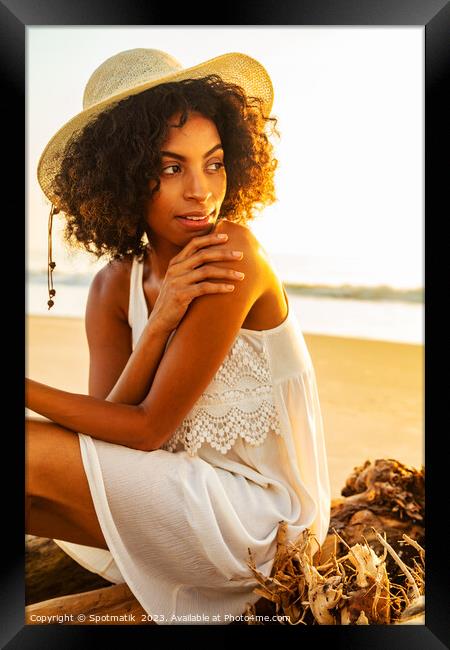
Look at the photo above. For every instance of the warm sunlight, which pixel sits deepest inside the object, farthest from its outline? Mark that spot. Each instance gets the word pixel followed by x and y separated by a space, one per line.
pixel 213 403
pixel 349 182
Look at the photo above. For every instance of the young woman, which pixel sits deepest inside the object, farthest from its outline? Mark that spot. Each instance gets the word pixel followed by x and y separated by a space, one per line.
pixel 202 428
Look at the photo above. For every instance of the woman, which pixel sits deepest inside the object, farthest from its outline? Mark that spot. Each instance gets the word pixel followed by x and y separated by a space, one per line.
pixel 202 429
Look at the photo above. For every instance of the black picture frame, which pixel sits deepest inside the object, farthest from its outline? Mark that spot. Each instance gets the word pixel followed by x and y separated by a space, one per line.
pixel 15 17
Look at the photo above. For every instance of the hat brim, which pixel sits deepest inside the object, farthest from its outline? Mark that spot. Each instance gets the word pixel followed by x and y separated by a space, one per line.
pixel 232 67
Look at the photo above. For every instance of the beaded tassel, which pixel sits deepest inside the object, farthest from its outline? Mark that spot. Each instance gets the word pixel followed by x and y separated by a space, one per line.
pixel 51 263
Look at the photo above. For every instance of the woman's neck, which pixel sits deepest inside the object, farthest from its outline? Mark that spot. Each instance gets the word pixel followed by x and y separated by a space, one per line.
pixel 158 260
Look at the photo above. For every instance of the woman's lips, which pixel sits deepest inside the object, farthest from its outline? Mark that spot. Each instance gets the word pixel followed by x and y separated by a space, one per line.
pixel 196 224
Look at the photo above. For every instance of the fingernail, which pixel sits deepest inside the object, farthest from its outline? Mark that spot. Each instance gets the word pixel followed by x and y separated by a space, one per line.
pixel 238 274
pixel 222 236
pixel 237 253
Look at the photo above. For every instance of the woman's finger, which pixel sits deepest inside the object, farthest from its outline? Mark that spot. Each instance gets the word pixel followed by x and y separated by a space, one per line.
pixel 213 272
pixel 196 244
pixel 203 288
pixel 203 257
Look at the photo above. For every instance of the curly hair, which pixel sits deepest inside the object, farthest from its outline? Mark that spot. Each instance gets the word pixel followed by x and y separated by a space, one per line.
pixel 104 182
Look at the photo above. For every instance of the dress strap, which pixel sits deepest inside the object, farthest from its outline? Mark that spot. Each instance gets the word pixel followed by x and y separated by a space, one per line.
pixel 136 316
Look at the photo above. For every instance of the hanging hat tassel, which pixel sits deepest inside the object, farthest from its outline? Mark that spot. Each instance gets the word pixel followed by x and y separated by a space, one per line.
pixel 51 263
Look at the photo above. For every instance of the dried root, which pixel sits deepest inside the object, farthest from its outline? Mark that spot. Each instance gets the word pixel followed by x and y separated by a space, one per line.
pixel 378 579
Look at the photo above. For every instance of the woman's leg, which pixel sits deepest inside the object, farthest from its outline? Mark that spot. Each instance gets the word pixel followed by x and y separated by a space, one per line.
pixel 58 499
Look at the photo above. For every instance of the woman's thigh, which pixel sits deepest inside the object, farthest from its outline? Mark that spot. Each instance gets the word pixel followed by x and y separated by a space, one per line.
pixel 59 502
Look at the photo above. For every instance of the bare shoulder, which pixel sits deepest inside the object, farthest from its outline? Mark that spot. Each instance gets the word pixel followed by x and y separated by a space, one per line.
pixel 110 287
pixel 237 232
pixel 270 307
pixel 107 329
pixel 240 237
pixel 114 271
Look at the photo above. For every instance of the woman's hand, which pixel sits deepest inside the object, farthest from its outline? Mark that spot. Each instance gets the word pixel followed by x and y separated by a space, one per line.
pixel 186 275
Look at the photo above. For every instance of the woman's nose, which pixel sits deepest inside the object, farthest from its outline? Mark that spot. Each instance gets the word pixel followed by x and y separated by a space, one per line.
pixel 197 187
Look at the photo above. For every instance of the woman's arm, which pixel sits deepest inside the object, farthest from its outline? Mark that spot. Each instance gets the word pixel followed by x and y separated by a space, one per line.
pixel 201 343
pixel 135 425
pixel 121 424
pixel 107 327
pixel 116 372
pixel 137 377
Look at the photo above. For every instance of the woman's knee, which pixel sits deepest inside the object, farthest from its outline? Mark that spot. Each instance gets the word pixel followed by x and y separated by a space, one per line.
pixel 44 458
pixel 35 461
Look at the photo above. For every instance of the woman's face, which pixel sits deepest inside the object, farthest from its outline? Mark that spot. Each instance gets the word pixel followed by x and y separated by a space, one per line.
pixel 193 182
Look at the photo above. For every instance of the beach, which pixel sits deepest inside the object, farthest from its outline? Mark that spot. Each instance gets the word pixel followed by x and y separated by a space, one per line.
pixel 371 392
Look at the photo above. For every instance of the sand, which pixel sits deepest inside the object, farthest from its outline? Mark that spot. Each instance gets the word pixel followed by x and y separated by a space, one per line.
pixel 371 392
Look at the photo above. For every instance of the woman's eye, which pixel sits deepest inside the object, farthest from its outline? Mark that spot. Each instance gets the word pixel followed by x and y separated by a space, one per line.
pixel 170 167
pixel 166 173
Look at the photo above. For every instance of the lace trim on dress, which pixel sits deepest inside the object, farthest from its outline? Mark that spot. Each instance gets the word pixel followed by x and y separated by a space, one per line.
pixel 237 403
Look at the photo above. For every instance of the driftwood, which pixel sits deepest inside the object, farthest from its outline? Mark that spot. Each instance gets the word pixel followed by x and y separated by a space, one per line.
pixel 51 573
pixel 114 605
pixel 370 569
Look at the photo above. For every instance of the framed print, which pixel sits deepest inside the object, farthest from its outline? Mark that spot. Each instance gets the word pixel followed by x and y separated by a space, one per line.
pixel 357 95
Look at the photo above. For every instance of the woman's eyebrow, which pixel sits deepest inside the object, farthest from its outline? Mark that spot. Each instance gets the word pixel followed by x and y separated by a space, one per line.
pixel 180 157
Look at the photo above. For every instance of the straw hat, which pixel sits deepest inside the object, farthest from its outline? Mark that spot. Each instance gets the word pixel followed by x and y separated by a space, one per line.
pixel 133 71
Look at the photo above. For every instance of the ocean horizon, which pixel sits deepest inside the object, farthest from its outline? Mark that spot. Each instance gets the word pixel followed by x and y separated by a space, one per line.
pixel 346 290
pixel 379 312
pixel 337 296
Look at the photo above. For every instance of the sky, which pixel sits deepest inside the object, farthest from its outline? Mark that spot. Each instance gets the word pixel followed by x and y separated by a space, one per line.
pixel 350 105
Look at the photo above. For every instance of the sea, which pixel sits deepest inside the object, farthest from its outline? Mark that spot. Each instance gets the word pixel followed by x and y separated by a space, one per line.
pixel 327 296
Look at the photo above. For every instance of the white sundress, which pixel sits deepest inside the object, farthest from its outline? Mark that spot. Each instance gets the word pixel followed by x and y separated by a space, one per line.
pixel 179 520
